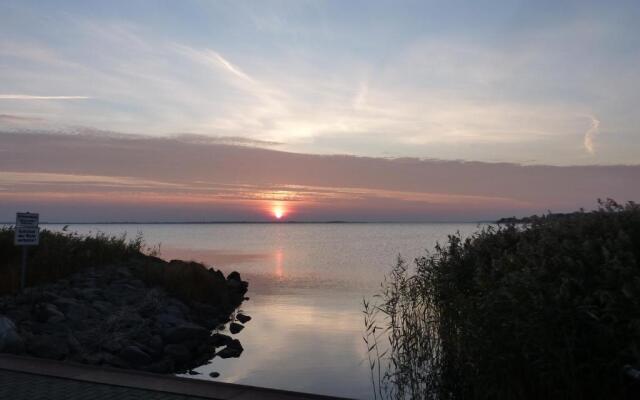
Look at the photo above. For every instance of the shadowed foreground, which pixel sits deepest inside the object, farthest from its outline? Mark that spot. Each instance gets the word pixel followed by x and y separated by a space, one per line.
pixel 33 379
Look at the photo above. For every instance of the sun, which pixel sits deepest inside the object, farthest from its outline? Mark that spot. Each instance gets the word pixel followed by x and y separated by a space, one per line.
pixel 278 212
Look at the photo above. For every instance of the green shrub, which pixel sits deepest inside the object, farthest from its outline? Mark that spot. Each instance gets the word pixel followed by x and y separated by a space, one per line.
pixel 549 309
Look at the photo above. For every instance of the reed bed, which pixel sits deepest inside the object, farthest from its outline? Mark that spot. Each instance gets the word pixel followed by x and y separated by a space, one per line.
pixel 548 309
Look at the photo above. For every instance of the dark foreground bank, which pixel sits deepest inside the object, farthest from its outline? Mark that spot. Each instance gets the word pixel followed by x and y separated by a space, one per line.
pixel 545 310
pixel 105 302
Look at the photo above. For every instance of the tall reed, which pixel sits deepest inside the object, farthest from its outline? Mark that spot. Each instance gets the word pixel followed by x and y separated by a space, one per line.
pixel 549 309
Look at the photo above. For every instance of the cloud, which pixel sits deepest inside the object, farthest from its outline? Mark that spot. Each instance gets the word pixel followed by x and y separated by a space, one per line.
pixel 230 67
pixel 182 177
pixel 590 135
pixel 10 118
pixel 444 95
pixel 232 140
pixel 31 97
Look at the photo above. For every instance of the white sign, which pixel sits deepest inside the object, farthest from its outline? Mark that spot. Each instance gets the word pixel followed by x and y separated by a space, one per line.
pixel 27 219
pixel 27 231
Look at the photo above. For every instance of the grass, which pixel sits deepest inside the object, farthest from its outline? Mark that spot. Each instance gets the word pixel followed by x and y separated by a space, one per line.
pixel 60 254
pixel 548 309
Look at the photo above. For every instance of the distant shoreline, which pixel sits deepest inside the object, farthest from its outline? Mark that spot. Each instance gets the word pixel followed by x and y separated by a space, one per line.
pixel 251 222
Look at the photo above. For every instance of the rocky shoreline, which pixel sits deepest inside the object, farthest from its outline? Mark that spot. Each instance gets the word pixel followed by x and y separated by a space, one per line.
pixel 111 316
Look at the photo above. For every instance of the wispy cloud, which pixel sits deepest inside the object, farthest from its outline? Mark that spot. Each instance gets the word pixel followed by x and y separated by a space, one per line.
pixel 230 67
pixel 18 119
pixel 448 94
pixel 32 97
pixel 590 135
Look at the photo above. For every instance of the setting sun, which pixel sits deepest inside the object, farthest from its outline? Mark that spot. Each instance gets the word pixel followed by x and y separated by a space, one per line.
pixel 278 212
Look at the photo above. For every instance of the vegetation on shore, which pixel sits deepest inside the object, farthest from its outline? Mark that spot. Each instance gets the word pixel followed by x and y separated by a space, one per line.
pixel 550 309
pixel 61 254
pixel 106 300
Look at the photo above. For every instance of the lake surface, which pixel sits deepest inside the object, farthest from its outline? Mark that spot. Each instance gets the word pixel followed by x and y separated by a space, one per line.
pixel 306 285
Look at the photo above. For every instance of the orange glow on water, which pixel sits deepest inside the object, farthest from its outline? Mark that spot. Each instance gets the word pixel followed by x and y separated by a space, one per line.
pixel 279 269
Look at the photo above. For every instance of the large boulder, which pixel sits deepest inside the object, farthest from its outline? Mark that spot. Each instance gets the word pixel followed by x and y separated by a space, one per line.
pixel 233 349
pixel 135 356
pixel 178 352
pixel 10 340
pixel 243 318
pixel 54 347
pixel 235 327
pixel 47 312
pixel 65 302
pixel 219 340
pixel 167 320
pixel 185 332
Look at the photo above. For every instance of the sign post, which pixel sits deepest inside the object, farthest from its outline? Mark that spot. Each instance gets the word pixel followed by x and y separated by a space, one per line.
pixel 27 233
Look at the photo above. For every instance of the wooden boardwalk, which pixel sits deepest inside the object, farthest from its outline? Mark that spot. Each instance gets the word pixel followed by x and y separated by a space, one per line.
pixel 34 378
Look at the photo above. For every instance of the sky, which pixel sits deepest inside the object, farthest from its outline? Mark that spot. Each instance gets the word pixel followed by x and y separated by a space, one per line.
pixel 356 110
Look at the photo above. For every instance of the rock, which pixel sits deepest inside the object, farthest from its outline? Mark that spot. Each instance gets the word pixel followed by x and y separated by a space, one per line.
pixel 177 352
pixel 130 319
pixel 51 328
pixel 107 316
pixel 10 340
pixel 214 374
pixel 184 332
pixel 234 276
pixel 135 356
pixel 164 366
pixel 155 344
pixel 116 361
pixel 90 293
pixel 74 344
pixel 94 358
pixel 211 324
pixel 78 312
pixel 45 312
pixel 177 304
pixel 174 311
pixel 192 372
pixel 102 307
pixel 57 319
pixel 235 327
pixel 233 349
pixel 49 346
pixel 123 273
pixel 63 303
pixel 219 340
pixel 243 318
pixel 122 286
pixel 18 314
pixel 217 273
pixel 136 283
pixel 49 296
pixel 112 346
pixel 166 320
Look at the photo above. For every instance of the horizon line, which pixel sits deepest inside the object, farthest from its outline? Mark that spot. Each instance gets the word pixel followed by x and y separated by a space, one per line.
pixel 248 222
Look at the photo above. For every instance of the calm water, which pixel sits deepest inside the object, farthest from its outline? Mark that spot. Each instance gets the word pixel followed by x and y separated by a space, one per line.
pixel 306 285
